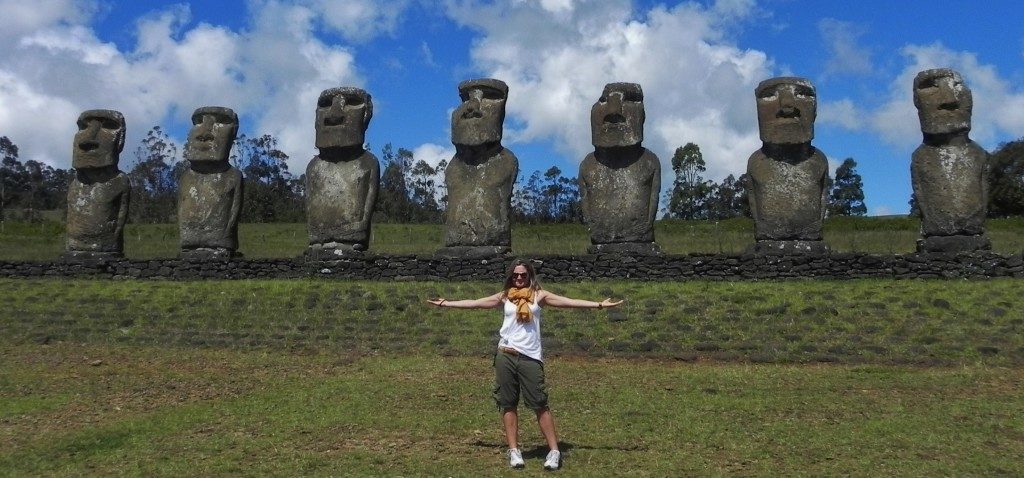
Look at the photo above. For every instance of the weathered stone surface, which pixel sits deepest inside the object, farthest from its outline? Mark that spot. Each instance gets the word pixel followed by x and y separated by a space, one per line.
pixel 789 247
pixel 948 170
pixel 621 180
pixel 343 180
pixel 98 195
pixel 210 191
pixel 954 244
pixel 787 176
pixel 480 176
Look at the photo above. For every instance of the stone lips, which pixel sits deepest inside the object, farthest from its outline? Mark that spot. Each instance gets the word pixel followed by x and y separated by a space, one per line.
pixel 342 116
pixel 99 140
pixel 786 110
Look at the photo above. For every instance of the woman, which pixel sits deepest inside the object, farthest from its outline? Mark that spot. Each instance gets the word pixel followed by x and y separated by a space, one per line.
pixel 519 362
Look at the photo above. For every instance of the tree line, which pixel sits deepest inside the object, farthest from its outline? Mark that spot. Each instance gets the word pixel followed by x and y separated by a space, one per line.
pixel 413 191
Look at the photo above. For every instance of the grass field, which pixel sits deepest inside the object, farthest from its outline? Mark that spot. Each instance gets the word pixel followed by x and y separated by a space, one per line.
pixel 334 378
pixel 894 235
pixel 110 410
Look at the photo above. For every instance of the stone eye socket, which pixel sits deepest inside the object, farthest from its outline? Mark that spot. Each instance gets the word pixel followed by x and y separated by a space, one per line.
pixel 491 94
pixel 804 91
pixel 768 94
pixel 105 123
pixel 353 101
pixel 325 102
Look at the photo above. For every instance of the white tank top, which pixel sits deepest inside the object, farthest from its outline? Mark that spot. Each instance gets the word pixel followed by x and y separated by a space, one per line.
pixel 525 338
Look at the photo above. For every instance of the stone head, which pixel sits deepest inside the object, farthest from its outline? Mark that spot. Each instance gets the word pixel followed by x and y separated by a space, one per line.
pixel 99 140
pixel 943 102
pixel 478 120
pixel 617 119
pixel 342 116
pixel 213 132
pixel 786 109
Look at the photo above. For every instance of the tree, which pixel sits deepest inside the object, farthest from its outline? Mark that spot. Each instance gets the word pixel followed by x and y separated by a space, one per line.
pixel 1006 180
pixel 846 193
pixel 690 193
pixel 154 178
pixel 271 193
pixel 393 202
pixel 728 199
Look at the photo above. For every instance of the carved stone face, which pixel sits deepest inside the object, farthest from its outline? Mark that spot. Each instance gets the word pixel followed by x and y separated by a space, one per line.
pixel 617 119
pixel 478 120
pixel 99 140
pixel 212 134
pixel 944 103
pixel 342 116
pixel 786 109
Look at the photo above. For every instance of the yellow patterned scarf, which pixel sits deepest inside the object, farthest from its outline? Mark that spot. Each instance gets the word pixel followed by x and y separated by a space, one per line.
pixel 522 298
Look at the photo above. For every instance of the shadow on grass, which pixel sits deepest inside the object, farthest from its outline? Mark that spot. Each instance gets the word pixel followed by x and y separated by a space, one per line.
pixel 565 447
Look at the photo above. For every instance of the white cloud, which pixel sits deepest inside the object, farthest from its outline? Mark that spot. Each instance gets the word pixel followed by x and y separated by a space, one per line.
pixel 359 20
pixel 53 66
pixel 846 54
pixel 698 88
pixel 998 104
pixel 843 113
pixel 433 154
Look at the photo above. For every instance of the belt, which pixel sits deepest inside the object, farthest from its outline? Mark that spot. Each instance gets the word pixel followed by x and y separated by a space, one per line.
pixel 509 350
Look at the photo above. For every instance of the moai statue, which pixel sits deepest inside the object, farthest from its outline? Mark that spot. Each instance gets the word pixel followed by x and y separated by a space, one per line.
pixel 342 181
pixel 787 176
pixel 210 190
pixel 948 170
pixel 98 194
pixel 621 180
pixel 480 176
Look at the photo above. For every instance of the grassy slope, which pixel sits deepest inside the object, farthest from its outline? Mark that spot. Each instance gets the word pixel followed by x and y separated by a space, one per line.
pixel 876 321
pixel 109 410
pixel 21 241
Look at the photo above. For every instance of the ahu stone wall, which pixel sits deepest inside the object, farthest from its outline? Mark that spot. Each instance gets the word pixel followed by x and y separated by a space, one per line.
pixel 550 268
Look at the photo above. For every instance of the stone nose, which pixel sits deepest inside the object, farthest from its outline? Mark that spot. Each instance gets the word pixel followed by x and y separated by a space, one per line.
pixel 89 138
pixel 948 99
pixel 473 105
pixel 615 102
pixel 205 129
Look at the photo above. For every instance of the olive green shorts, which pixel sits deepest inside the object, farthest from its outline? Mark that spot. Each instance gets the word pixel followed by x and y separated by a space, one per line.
pixel 515 373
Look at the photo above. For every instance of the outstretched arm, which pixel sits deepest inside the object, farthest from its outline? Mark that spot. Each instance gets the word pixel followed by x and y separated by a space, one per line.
pixel 555 300
pixel 488 302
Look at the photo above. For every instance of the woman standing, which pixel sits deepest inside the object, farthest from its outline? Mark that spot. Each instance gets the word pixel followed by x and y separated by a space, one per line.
pixel 519 361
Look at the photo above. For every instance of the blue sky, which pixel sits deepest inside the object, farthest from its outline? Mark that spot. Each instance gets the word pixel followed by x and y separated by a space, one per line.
pixel 698 63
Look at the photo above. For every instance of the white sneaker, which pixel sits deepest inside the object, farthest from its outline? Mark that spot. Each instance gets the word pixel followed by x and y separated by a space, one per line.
pixel 553 461
pixel 515 458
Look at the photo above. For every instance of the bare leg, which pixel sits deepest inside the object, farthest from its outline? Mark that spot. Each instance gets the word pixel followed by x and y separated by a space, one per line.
pixel 510 420
pixel 546 421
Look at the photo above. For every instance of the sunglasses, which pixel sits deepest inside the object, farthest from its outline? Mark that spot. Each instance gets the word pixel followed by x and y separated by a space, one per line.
pixel 520 274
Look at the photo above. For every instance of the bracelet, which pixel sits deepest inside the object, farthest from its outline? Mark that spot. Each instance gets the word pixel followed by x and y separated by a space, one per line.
pixel 442 302
pixel 600 305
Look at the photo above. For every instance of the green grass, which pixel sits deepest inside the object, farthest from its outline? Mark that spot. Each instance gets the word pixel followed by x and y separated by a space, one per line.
pixel 44 242
pixel 158 411
pixel 857 321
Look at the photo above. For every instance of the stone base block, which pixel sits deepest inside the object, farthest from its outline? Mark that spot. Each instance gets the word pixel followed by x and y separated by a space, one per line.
pixel 789 248
pixel 204 254
pixel 333 251
pixel 90 257
pixel 954 244
pixel 626 248
pixel 473 252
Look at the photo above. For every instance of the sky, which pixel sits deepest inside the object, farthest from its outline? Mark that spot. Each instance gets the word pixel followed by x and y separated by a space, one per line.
pixel 697 62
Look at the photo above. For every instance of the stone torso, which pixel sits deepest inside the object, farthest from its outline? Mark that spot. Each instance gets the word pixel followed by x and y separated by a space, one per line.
pixel 94 221
pixel 787 198
pixel 339 199
pixel 208 208
pixel 619 203
pixel 479 200
pixel 951 188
